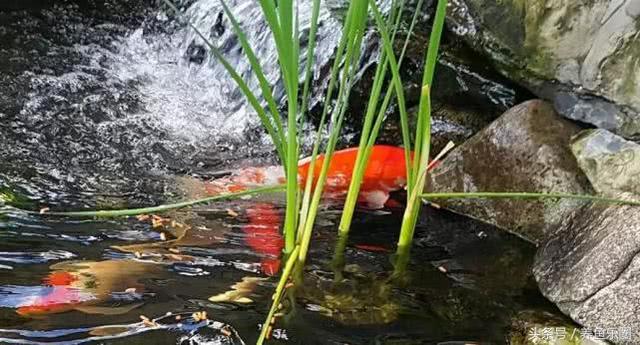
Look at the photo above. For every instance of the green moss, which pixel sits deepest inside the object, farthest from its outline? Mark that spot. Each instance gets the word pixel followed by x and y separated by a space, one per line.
pixel 538 58
pixel 12 198
pixel 529 327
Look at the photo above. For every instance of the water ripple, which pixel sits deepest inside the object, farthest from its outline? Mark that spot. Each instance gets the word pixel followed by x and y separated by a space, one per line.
pixel 187 329
pixel 35 257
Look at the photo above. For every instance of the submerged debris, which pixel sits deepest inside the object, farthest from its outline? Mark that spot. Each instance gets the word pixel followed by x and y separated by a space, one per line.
pixel 199 316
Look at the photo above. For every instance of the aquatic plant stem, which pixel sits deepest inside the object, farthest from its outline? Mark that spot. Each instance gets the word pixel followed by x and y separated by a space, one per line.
pixel 352 55
pixel 397 83
pixel 412 211
pixel 526 195
pixel 256 67
pixel 429 71
pixel 308 73
pixel 420 164
pixel 160 208
pixel 277 295
pixel 368 138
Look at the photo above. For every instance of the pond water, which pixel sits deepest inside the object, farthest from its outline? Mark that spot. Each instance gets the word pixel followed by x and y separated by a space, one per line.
pixel 466 280
pixel 112 104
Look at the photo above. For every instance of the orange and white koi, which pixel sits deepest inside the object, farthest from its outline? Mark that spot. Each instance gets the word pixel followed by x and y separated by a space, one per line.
pixel 385 172
pixel 82 286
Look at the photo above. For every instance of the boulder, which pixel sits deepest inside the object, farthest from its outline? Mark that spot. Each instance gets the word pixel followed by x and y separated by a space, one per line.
pixel 583 56
pixel 611 163
pixel 590 267
pixel 525 149
pixel 591 270
pixel 587 262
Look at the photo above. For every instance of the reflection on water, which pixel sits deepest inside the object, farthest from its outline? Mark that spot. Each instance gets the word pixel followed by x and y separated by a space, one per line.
pixel 466 281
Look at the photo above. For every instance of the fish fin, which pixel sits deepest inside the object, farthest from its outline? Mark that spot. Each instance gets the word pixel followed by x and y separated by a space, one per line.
pixel 375 200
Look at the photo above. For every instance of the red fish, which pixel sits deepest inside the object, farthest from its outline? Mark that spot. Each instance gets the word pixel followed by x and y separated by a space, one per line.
pixel 83 286
pixel 263 236
pixel 385 173
pixel 60 296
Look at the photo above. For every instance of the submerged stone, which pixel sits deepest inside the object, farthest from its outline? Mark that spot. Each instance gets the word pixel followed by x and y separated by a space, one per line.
pixel 526 149
pixel 583 56
pixel 538 327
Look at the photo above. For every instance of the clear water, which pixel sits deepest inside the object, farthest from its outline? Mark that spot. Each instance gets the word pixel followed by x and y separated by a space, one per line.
pixel 113 104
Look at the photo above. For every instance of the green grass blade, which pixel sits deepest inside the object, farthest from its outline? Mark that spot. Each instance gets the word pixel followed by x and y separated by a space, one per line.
pixel 352 55
pixel 527 195
pixel 430 65
pixel 251 97
pixel 420 163
pixel 267 93
pixel 272 16
pixel 277 296
pixel 412 211
pixel 340 51
pixel 397 82
pixel 308 74
pixel 365 148
pixel 160 208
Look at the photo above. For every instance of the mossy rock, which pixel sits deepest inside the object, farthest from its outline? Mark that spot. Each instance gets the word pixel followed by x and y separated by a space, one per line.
pixel 589 49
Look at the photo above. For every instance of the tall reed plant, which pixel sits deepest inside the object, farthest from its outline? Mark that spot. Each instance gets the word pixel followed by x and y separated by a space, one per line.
pixel 416 180
pixel 282 18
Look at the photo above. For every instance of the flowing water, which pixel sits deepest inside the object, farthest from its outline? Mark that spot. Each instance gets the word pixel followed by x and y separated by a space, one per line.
pixel 112 104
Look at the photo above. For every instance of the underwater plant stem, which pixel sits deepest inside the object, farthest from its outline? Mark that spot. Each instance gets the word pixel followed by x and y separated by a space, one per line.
pixel 277 295
pixel 420 164
pixel 161 208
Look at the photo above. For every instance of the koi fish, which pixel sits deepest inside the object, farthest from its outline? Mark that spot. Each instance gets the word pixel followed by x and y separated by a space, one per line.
pixel 82 286
pixel 385 172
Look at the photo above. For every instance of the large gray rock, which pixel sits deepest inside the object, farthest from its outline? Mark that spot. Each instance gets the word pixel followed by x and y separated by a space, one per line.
pixel 590 267
pixel 582 55
pixel 526 149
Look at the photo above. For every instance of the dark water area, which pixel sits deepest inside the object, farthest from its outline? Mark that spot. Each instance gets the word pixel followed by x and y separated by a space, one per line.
pixel 108 104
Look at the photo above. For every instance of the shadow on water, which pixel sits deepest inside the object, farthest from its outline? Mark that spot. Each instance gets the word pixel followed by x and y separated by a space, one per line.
pixel 104 103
